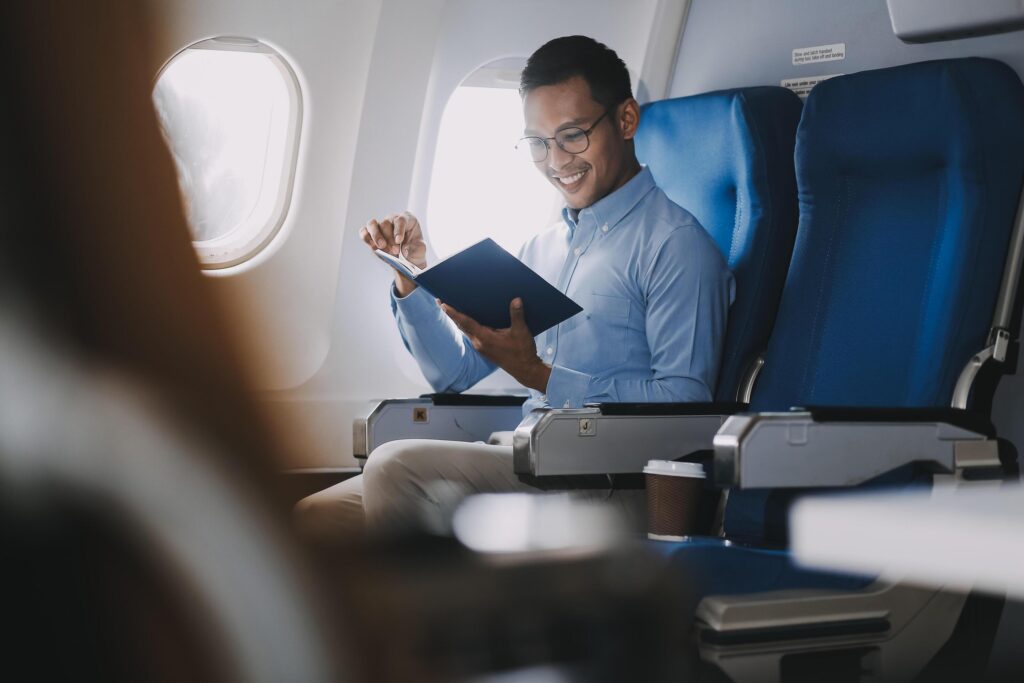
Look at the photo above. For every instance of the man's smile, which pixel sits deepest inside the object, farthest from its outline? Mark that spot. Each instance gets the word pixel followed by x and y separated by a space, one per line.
pixel 572 181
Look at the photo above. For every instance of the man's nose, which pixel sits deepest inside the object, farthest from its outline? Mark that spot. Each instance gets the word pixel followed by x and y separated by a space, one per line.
pixel 558 157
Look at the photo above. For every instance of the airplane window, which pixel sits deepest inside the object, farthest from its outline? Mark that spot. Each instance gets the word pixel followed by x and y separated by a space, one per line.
pixel 480 187
pixel 230 110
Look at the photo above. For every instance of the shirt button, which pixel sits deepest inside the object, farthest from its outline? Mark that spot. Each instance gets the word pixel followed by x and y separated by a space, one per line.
pixel 549 350
pixel 577 251
pixel 604 228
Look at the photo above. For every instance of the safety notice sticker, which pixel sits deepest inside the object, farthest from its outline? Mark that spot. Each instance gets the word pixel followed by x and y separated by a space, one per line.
pixel 819 53
pixel 802 86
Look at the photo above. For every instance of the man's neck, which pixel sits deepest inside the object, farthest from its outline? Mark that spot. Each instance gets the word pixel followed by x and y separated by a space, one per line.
pixel 628 174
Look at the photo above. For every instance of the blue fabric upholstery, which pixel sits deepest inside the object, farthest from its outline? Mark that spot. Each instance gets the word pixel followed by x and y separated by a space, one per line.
pixel 727 158
pixel 908 180
pixel 711 566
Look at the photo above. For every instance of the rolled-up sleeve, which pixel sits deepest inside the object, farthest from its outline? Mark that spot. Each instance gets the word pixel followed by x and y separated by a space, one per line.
pixel 447 359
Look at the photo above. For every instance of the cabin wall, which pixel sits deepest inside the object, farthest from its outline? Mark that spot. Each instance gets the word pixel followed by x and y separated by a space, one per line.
pixel 737 43
pixel 283 298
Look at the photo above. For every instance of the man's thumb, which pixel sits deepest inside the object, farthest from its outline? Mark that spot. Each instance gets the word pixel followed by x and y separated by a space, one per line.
pixel 516 312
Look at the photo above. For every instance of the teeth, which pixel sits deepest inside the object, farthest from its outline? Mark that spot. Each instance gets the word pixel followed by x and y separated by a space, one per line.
pixel 569 180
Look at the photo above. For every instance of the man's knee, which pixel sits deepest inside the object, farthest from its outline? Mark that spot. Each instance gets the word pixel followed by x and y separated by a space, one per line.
pixel 400 480
pixel 331 513
pixel 393 465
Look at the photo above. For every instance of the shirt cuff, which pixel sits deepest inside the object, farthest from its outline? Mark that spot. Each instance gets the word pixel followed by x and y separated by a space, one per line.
pixel 567 388
pixel 419 305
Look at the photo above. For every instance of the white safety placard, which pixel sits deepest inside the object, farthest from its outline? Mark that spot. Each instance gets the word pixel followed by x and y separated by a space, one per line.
pixel 803 85
pixel 819 53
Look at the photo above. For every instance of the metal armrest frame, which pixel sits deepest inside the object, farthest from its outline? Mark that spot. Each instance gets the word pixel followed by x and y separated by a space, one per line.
pixel 747 636
pixel 843 447
pixel 613 438
pixel 451 417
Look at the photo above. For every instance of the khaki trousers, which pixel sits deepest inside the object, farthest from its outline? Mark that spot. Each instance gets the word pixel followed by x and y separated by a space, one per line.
pixel 415 483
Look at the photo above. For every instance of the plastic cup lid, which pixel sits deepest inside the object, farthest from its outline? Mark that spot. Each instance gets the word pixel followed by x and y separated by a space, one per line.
pixel 675 469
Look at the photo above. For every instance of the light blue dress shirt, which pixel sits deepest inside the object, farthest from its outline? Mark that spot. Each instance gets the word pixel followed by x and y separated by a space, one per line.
pixel 655 294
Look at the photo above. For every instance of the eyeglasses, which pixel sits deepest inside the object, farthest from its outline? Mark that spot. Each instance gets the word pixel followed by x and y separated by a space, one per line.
pixel 572 140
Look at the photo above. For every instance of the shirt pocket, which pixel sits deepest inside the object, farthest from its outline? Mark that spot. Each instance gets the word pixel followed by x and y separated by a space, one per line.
pixel 595 340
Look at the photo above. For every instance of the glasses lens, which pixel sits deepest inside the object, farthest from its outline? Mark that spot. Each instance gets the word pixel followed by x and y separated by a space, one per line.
pixel 532 149
pixel 572 140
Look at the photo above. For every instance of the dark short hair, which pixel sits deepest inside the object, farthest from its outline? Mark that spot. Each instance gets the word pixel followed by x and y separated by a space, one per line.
pixel 563 58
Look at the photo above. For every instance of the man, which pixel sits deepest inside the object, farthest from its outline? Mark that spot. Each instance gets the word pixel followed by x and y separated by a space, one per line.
pixel 654 289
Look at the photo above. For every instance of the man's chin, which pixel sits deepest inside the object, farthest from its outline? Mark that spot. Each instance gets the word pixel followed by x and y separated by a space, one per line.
pixel 578 200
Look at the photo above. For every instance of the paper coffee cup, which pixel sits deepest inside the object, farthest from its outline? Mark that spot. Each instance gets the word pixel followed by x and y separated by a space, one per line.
pixel 673 498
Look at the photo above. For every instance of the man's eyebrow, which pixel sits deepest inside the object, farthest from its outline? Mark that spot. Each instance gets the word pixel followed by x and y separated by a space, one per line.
pixel 573 123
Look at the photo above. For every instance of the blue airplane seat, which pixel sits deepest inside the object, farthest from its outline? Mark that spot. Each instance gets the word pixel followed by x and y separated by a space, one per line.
pixel 727 157
pixel 909 179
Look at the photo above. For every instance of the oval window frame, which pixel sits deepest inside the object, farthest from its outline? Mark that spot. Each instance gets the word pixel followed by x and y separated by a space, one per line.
pixel 238 246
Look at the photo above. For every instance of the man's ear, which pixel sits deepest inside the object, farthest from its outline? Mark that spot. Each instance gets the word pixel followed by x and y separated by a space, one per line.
pixel 629 118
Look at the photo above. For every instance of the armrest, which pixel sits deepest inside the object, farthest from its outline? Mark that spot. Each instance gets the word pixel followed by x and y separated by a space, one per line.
pixel 449 417
pixel 742 629
pixel 613 438
pixel 835 447
pixel 475 399
pixel 641 409
pixel 954 416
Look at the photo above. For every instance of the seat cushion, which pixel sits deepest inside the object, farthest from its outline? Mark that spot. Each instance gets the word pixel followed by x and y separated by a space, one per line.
pixel 711 566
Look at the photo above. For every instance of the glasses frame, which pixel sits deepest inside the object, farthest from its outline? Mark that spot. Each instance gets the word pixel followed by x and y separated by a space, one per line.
pixel 547 146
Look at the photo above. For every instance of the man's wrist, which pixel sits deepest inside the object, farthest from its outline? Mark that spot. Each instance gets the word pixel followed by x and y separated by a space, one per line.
pixel 538 375
pixel 403 285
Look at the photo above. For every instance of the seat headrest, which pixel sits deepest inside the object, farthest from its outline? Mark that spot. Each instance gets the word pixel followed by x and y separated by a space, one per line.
pixel 944 112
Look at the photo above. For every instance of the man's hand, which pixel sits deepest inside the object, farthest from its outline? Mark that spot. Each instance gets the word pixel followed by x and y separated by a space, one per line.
pixel 513 349
pixel 398 234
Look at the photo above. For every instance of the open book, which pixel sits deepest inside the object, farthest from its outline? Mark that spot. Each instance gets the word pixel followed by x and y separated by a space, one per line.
pixel 482 280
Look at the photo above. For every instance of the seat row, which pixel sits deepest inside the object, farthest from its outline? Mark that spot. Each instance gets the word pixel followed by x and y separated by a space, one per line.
pixel 876 237
pixel 897 314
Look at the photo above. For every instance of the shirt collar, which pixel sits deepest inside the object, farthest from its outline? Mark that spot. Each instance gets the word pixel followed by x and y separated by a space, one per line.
pixel 610 210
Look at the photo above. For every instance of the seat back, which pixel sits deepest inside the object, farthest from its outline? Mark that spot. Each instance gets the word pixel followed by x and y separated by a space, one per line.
pixel 727 158
pixel 909 179
pixel 140 520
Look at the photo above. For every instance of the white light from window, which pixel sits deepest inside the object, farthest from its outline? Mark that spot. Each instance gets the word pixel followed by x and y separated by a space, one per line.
pixel 480 187
pixel 231 119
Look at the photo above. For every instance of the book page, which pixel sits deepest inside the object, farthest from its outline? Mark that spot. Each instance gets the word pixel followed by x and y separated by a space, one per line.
pixel 400 263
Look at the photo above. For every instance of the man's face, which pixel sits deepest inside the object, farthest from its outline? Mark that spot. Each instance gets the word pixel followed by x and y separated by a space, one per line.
pixel 606 164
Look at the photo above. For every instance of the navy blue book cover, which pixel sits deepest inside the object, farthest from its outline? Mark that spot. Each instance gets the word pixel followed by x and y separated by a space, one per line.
pixel 481 282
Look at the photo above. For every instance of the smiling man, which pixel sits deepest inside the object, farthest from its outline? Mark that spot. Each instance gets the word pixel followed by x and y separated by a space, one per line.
pixel 654 289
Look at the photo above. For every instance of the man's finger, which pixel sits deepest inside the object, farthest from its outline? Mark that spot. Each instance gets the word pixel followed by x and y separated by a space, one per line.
pixel 364 235
pixel 463 322
pixel 373 229
pixel 387 231
pixel 518 317
pixel 399 229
